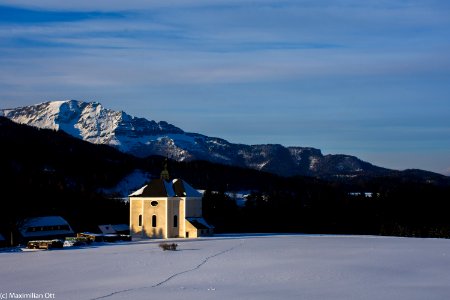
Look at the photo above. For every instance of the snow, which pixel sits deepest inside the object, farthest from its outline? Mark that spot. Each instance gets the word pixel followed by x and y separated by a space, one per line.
pixel 238 267
pixel 189 191
pixel 42 222
pixel 259 166
pixel 129 183
pixel 139 191
pixel 240 197
pixel 179 138
pixel 45 221
pixel 121 227
pixel 169 189
pixel 199 220
pixel 313 162
pixel 92 122
pixel 107 229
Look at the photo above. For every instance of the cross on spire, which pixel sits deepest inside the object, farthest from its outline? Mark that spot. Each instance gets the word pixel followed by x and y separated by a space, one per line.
pixel 165 172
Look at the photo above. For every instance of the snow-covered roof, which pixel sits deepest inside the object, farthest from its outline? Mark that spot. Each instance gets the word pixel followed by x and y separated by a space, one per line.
pixel 169 189
pixel 183 189
pixel 199 223
pixel 163 188
pixel 45 221
pixel 113 229
pixel 138 192
pixel 43 226
pixel 121 227
pixel 106 229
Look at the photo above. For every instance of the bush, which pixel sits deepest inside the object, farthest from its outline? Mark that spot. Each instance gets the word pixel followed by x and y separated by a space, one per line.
pixel 166 246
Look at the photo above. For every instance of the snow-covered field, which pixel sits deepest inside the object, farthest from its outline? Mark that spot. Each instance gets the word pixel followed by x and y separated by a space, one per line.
pixel 237 267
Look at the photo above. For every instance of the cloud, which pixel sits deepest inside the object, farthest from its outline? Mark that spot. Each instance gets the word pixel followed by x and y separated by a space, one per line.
pixel 15 15
pixel 331 74
pixel 244 28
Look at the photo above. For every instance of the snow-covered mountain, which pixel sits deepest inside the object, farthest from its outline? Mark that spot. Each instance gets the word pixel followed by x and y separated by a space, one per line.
pixel 92 122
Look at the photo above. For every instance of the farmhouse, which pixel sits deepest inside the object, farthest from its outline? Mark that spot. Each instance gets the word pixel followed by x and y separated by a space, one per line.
pixel 167 209
pixel 50 227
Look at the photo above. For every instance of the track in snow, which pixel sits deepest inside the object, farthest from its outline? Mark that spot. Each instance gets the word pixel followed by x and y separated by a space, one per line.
pixel 174 275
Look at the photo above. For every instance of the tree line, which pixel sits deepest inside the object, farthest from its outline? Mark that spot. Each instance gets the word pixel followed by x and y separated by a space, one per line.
pixel 43 172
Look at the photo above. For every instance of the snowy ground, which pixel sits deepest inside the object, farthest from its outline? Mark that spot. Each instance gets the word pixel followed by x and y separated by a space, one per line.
pixel 238 267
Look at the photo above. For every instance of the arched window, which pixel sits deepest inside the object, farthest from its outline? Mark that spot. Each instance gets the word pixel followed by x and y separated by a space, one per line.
pixel 153 221
pixel 175 221
pixel 140 220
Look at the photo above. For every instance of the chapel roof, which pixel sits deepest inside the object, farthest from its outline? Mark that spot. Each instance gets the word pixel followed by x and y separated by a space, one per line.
pixel 163 188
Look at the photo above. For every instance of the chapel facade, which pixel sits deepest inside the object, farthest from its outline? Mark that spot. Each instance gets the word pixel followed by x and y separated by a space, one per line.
pixel 167 208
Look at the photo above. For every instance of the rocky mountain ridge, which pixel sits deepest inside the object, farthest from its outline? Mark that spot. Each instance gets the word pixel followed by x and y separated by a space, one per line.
pixel 92 122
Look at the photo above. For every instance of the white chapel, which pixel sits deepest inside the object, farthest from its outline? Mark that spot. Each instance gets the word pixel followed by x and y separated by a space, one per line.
pixel 167 208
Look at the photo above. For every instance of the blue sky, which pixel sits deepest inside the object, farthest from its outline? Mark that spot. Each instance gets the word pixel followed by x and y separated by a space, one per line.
pixel 366 78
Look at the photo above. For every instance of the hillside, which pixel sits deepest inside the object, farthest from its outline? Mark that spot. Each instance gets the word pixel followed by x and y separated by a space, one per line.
pixel 47 172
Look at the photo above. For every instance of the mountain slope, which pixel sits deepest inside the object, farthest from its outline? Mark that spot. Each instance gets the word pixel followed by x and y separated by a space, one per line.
pixel 47 172
pixel 141 137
